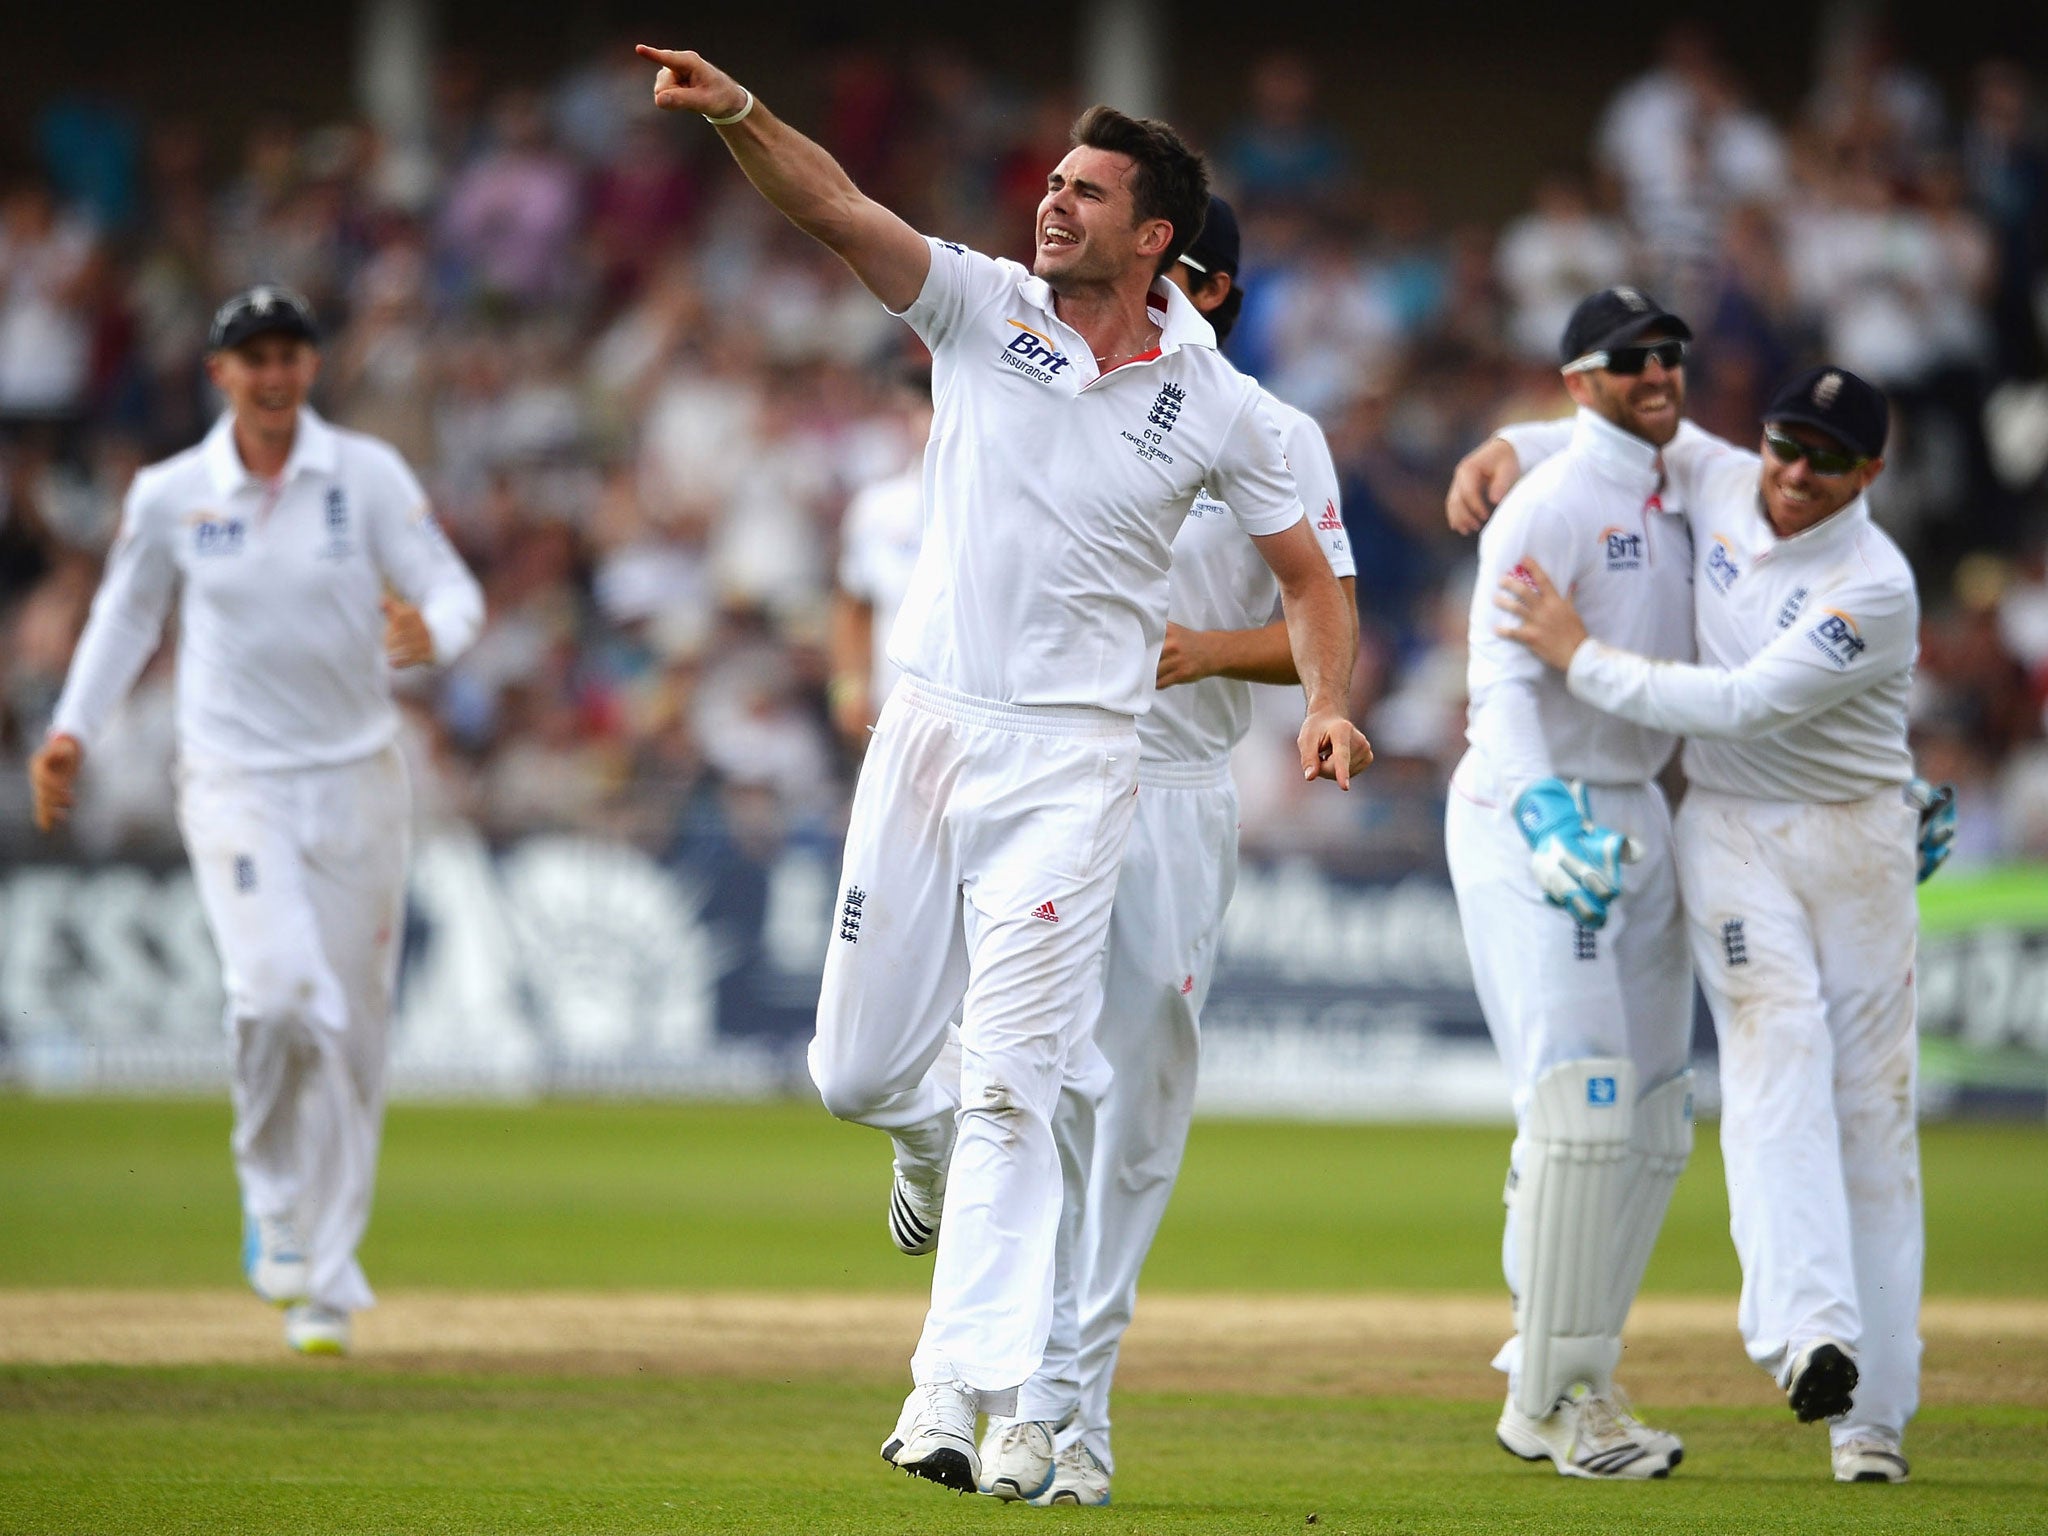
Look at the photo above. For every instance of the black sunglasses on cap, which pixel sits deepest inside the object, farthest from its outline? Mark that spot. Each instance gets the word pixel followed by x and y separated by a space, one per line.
pixel 1787 449
pixel 1631 360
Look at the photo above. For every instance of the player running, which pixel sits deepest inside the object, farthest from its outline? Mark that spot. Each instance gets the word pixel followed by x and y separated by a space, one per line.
pixel 1588 998
pixel 1080 406
pixel 281 539
pixel 1797 854
pixel 1121 1148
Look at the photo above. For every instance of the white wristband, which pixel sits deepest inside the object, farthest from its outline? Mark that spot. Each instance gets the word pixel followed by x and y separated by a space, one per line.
pixel 727 122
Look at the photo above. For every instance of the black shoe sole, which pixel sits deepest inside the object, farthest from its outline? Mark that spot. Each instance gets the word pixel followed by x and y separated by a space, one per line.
pixel 949 1469
pixel 1826 1388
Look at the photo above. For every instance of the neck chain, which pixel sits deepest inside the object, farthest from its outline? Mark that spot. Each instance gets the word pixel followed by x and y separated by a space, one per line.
pixel 1125 357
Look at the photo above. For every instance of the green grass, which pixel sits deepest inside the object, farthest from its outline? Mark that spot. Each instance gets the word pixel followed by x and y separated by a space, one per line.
pixel 330 1451
pixel 133 1193
pixel 140 1193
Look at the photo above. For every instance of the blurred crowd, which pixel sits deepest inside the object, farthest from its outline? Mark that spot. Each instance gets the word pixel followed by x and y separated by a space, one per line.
pixel 641 402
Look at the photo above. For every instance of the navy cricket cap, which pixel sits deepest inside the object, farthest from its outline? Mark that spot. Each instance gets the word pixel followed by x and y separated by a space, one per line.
pixel 265 310
pixel 1614 317
pixel 1850 410
pixel 1215 249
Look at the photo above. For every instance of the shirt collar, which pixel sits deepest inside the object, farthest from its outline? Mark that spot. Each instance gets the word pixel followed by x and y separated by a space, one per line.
pixel 1824 536
pixel 1620 456
pixel 1185 325
pixel 314 448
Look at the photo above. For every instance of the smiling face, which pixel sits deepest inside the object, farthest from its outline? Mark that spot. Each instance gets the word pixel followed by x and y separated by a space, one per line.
pixel 1797 498
pixel 1647 404
pixel 265 380
pixel 1088 228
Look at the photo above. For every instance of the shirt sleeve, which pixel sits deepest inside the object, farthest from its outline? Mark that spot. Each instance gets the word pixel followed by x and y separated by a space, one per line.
pixel 415 557
pixel 958 283
pixel 1503 674
pixel 127 620
pixel 1315 479
pixel 1252 476
pixel 1706 469
pixel 1857 635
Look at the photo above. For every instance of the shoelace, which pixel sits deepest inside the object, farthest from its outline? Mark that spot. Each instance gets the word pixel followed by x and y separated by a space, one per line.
pixel 1010 1436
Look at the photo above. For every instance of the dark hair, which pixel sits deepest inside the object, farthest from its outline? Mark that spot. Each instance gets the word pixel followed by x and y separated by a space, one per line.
pixel 1169 180
pixel 1223 318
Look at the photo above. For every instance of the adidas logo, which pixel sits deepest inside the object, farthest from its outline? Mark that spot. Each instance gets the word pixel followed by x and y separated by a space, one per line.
pixel 1046 914
pixel 1330 522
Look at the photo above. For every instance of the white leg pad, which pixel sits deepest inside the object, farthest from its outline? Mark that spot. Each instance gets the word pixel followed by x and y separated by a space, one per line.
pixel 1567 1193
pixel 1660 1142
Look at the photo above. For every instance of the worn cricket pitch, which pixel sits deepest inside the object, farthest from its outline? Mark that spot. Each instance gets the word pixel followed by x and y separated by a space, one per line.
pixel 1681 1349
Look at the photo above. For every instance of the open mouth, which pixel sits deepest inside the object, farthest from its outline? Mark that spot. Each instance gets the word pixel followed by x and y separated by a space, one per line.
pixel 1057 236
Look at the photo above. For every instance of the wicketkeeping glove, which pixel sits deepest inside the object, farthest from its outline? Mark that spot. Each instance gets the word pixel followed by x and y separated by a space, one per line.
pixel 1577 863
pixel 1936 804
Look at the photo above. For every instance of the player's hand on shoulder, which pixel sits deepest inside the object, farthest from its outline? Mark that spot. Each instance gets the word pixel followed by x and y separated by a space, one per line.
pixel 1545 619
pixel 1936 804
pixel 1481 479
pixel 1576 861
pixel 687 82
pixel 52 779
pixel 1332 748
pixel 407 640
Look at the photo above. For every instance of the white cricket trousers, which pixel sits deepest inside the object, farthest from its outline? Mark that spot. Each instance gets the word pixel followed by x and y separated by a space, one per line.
pixel 1554 992
pixel 1121 1141
pixel 301 874
pixel 980 867
pixel 1804 928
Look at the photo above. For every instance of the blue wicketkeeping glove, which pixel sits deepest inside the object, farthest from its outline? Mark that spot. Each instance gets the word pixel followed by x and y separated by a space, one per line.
pixel 1936 804
pixel 1577 863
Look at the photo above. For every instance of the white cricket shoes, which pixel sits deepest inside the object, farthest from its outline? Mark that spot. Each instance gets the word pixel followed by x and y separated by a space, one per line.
pixel 312 1329
pixel 1017 1458
pixel 934 1436
pixel 1589 1436
pixel 914 1213
pixel 1820 1383
pixel 1077 1478
pixel 1870 1458
pixel 273 1259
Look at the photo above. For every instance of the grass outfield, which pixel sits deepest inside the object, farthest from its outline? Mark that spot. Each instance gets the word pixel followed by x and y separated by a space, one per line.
pixel 644 1198
pixel 104 1192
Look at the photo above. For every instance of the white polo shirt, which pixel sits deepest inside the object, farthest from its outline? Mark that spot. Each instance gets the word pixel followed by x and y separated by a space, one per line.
pixel 1053 492
pixel 1219 581
pixel 1599 519
pixel 281 639
pixel 880 535
pixel 1806 646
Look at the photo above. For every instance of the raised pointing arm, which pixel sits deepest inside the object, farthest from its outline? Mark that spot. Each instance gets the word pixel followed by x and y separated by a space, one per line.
pixel 805 183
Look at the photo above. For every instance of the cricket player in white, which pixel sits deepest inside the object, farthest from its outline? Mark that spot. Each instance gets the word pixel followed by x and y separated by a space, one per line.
pixel 281 540
pixel 1080 407
pixel 1588 999
pixel 1797 852
pixel 878 543
pixel 1121 1142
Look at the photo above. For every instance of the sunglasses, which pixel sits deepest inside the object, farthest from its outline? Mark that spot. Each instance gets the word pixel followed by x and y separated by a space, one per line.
pixel 1822 461
pixel 1630 360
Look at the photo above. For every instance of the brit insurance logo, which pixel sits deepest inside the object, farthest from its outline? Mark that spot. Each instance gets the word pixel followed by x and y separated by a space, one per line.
pixel 1837 637
pixel 1034 355
pixel 214 535
pixel 1624 549
pixel 1721 567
